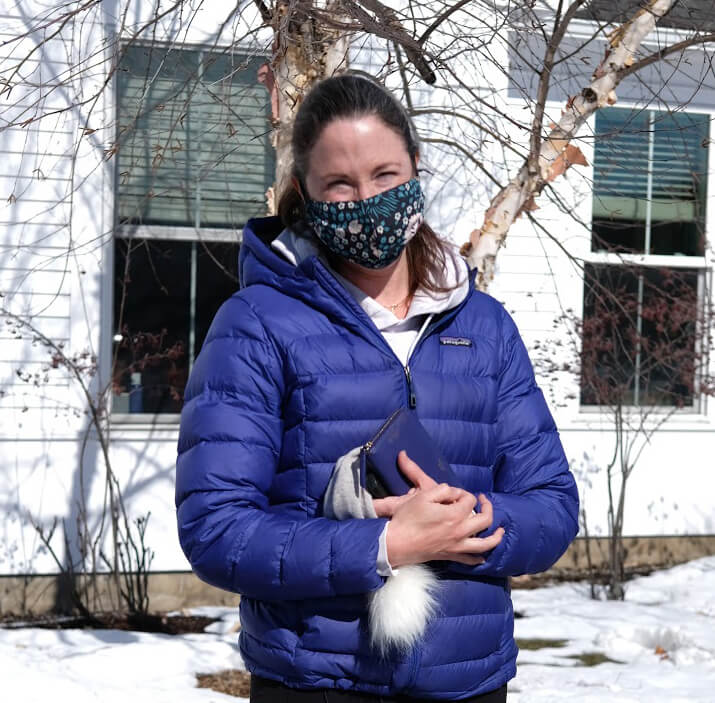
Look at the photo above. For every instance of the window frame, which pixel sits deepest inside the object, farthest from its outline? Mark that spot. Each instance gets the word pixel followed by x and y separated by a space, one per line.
pixel 674 261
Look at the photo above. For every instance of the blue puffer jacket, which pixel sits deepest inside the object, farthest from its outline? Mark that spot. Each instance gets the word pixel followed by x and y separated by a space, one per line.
pixel 293 374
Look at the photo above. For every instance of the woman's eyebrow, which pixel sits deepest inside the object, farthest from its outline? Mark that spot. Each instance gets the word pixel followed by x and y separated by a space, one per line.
pixel 331 176
pixel 387 164
pixel 342 175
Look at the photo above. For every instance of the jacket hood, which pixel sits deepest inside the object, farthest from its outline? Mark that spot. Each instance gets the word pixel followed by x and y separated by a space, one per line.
pixel 309 281
pixel 258 262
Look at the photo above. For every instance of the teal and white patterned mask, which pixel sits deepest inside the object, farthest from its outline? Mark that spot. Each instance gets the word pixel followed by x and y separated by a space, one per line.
pixel 370 232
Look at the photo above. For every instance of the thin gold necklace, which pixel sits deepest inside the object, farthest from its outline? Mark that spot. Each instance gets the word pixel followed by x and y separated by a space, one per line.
pixel 394 307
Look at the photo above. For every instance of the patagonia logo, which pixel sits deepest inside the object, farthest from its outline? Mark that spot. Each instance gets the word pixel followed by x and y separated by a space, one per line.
pixel 456 341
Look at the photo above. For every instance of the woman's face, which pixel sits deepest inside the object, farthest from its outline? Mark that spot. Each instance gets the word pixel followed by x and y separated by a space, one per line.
pixel 356 158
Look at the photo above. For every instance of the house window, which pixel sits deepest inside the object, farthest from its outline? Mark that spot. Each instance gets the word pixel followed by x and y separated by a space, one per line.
pixel 644 283
pixel 194 162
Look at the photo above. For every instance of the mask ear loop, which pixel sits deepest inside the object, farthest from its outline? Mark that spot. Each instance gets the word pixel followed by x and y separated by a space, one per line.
pixel 416 165
pixel 298 187
pixel 302 191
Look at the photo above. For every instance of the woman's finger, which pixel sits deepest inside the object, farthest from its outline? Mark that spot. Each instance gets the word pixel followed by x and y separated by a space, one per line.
pixel 385 507
pixel 443 493
pixel 485 508
pixel 414 472
pixel 466 501
pixel 482 520
pixel 471 525
pixel 479 545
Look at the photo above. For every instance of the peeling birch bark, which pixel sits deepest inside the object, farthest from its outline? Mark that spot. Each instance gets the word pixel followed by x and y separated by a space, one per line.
pixel 556 154
pixel 304 52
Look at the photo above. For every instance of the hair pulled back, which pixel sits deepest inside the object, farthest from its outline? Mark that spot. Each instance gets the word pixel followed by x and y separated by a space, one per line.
pixel 353 96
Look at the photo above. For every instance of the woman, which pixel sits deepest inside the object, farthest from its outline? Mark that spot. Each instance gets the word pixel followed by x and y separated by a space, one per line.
pixel 351 307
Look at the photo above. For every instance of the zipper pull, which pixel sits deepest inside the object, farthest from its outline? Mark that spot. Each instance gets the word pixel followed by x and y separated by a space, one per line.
pixel 411 390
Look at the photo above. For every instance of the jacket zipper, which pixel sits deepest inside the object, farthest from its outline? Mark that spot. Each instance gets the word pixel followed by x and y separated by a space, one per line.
pixel 411 397
pixel 425 332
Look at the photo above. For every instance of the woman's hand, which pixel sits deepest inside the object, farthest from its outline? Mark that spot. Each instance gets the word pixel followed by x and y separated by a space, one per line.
pixel 435 521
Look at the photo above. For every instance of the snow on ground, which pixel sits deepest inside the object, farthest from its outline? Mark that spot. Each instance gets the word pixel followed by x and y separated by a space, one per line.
pixel 78 666
pixel 660 643
pixel 662 638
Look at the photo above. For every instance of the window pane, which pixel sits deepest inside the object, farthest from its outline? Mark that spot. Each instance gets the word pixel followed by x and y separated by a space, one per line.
pixel 157 134
pixel 638 341
pixel 673 237
pixel 237 162
pixel 679 181
pixel 216 281
pixel 609 336
pixel 622 208
pixel 194 138
pixel 667 359
pixel 151 313
pixel 679 155
pixel 620 180
pixel 625 236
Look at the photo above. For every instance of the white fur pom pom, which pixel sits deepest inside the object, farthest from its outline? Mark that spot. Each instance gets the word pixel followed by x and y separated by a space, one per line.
pixel 400 610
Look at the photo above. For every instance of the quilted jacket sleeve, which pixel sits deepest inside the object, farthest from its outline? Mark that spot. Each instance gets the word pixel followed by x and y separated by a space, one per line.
pixel 535 498
pixel 229 445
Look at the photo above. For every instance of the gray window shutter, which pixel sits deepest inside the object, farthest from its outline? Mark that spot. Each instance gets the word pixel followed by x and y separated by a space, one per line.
pixel 676 143
pixel 194 135
pixel 620 164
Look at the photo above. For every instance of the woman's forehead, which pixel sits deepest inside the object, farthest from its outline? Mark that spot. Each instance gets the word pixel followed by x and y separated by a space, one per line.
pixel 365 141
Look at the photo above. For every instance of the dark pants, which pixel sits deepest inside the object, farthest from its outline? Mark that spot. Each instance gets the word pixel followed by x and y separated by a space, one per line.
pixel 269 691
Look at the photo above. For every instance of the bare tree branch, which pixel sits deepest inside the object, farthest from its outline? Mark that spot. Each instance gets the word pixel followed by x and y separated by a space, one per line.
pixel 657 56
pixel 441 19
pixel 386 24
pixel 265 13
pixel 560 27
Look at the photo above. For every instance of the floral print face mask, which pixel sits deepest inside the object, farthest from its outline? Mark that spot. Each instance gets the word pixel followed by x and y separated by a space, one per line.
pixel 370 232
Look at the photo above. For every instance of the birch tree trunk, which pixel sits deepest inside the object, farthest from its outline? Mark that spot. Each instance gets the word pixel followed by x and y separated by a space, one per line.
pixel 304 52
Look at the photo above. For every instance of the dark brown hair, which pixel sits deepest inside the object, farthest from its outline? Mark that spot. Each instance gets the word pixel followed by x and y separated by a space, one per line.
pixel 352 96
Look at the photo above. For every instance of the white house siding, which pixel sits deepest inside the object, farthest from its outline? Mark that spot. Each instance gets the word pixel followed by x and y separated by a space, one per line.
pixel 51 222
pixel 55 263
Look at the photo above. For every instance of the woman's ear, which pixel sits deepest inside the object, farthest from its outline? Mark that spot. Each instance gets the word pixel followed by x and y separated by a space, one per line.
pixel 417 160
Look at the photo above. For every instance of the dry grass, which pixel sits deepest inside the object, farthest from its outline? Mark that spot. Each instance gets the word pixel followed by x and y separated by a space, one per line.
pixel 231 681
